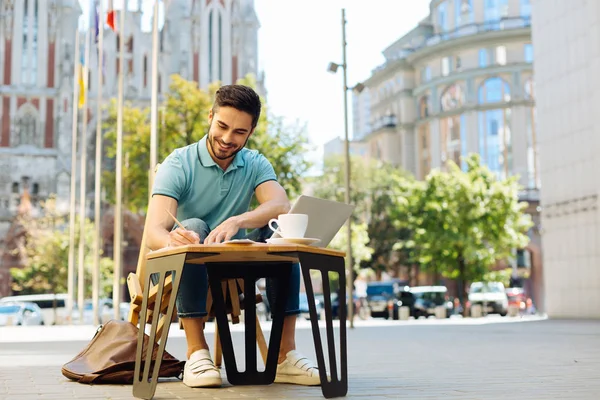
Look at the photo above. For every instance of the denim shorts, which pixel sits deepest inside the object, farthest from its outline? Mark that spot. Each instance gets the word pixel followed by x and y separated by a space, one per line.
pixel 193 286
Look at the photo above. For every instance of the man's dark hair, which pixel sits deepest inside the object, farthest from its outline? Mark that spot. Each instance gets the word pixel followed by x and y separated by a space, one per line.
pixel 240 97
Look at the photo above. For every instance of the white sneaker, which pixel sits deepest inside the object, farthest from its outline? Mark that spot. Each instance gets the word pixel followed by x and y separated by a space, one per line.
pixel 298 370
pixel 200 371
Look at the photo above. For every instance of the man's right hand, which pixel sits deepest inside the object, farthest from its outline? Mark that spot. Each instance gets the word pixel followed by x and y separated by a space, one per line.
pixel 183 237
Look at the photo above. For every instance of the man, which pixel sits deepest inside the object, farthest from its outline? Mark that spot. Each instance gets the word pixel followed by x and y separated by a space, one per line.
pixel 209 186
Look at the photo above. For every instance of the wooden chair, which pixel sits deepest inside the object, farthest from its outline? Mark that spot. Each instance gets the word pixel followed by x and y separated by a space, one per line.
pixel 231 290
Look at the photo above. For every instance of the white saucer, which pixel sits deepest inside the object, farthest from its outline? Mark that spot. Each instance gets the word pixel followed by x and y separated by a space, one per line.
pixel 240 241
pixel 305 241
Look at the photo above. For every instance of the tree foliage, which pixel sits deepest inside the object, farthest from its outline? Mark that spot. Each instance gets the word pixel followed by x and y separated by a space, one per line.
pixel 462 222
pixel 183 120
pixel 374 190
pixel 44 251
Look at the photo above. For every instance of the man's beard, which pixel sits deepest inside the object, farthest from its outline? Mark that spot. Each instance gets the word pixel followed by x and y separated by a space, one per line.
pixel 211 140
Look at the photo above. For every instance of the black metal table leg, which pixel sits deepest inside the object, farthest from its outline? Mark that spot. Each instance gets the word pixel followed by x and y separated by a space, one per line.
pixel 338 386
pixel 249 271
pixel 144 386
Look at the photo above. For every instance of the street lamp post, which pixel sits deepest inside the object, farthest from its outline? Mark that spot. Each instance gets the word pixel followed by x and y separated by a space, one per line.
pixel 333 67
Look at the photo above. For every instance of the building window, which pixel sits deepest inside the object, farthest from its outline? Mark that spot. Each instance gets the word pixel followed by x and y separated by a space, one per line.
pixel 457 63
pixel 494 90
pixel 220 47
pixel 452 97
pixel 34 45
pixel 442 17
pixel 145 70
pixel 526 8
pixel 501 55
pixel 30 42
pixel 528 53
pixel 424 150
pixel 26 131
pixel 15 187
pixel 484 58
pixel 529 89
pixel 495 142
pixel 424 107
pixel 445 66
pixel 452 137
pixel 494 10
pixel 463 12
pixel 35 189
pixel 210 46
pixel 425 74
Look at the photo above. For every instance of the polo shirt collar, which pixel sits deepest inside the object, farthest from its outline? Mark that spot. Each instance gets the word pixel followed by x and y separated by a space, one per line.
pixel 207 161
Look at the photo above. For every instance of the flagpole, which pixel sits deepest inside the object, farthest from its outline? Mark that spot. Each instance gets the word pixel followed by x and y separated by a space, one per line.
pixel 118 224
pixel 153 103
pixel 82 187
pixel 71 267
pixel 98 172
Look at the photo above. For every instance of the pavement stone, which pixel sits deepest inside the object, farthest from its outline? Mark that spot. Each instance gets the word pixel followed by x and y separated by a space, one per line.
pixel 549 359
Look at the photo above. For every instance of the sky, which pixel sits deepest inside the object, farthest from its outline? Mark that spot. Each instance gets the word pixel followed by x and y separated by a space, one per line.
pixel 298 39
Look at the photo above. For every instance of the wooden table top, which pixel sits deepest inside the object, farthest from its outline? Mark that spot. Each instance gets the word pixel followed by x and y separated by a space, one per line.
pixel 200 253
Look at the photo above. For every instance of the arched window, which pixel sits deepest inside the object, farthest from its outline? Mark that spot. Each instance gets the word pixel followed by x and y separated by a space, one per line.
pixel 424 107
pixel 452 97
pixel 26 128
pixel 529 88
pixel 494 90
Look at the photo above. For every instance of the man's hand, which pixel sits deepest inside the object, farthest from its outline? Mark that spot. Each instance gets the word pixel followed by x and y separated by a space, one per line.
pixel 223 232
pixel 182 237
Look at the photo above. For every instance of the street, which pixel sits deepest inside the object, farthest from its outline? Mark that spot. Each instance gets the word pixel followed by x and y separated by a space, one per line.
pixel 488 358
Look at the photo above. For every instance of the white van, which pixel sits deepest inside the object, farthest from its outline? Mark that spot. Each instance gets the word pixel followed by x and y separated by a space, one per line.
pixel 46 303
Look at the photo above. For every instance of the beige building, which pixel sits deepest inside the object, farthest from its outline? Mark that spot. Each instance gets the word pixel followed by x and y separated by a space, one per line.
pixel 566 36
pixel 460 82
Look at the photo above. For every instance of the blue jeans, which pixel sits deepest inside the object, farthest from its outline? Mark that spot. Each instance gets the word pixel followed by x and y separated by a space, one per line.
pixel 193 286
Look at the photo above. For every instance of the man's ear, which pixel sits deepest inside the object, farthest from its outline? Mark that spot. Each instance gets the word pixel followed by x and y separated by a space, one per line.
pixel 210 116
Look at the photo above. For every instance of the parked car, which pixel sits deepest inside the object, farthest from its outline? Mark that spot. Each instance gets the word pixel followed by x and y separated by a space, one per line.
pixel 53 306
pixel 335 304
pixel 516 297
pixel 427 298
pixel 490 295
pixel 105 311
pixel 304 312
pixel 20 313
pixel 381 296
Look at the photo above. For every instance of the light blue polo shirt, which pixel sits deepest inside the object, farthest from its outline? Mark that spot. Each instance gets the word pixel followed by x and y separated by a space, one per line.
pixel 203 190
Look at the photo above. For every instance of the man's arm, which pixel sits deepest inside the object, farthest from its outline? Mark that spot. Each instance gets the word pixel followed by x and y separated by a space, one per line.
pixel 160 223
pixel 273 202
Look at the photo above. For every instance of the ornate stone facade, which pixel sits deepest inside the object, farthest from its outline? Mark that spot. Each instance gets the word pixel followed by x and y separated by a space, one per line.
pixel 202 40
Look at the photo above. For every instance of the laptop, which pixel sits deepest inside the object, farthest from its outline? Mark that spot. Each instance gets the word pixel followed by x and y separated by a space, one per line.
pixel 325 217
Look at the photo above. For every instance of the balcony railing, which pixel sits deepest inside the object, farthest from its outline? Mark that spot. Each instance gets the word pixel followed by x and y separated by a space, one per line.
pixel 465 30
pixel 389 121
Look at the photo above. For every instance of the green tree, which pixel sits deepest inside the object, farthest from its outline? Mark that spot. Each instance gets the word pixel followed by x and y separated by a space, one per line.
pixel 44 251
pixel 183 120
pixel 361 252
pixel 374 190
pixel 462 222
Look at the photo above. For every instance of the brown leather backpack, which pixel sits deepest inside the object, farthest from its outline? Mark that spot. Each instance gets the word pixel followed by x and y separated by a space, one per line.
pixel 110 357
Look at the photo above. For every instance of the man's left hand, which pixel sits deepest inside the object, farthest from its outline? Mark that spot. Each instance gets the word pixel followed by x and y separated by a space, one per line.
pixel 223 232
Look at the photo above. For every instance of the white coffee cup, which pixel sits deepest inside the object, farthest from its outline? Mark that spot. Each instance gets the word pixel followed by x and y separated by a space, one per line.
pixel 290 225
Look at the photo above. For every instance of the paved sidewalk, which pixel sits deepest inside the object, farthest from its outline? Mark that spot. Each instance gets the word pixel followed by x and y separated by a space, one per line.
pixel 391 360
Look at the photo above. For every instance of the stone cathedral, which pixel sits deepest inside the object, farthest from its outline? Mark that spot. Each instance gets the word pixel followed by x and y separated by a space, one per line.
pixel 202 40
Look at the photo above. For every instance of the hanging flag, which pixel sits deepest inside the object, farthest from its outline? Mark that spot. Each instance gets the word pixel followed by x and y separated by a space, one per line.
pixel 82 71
pixel 97 23
pixel 110 16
